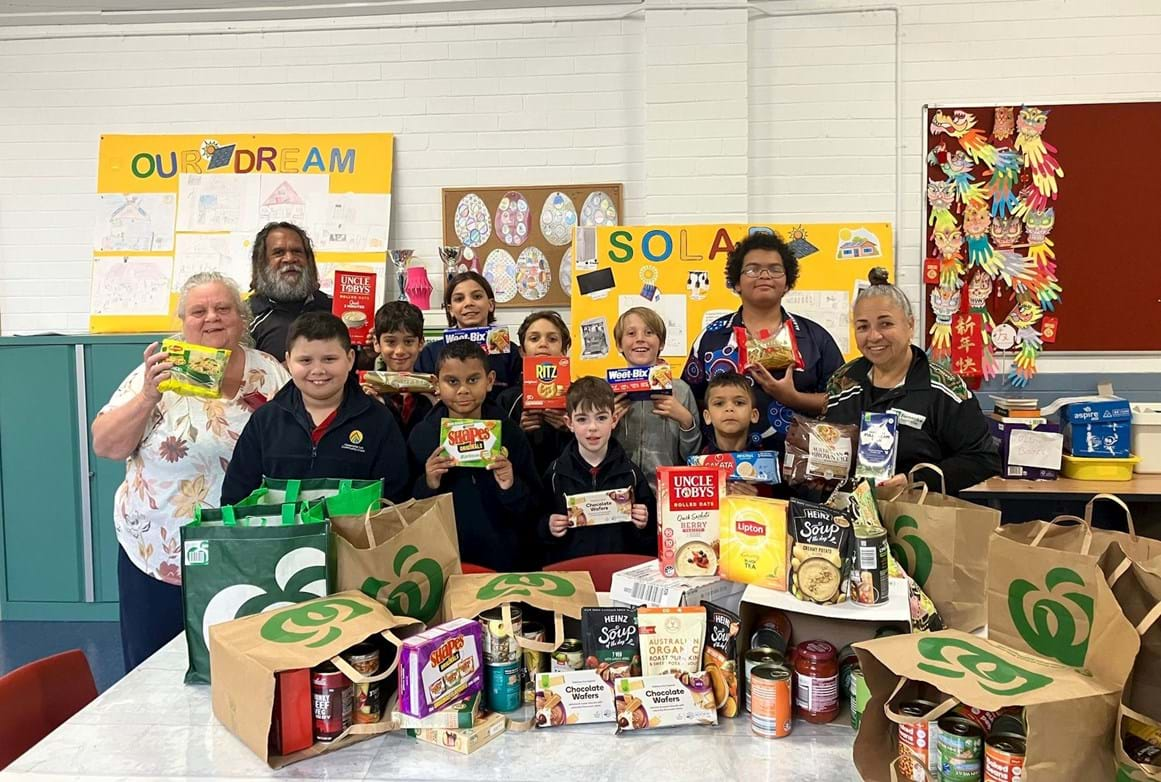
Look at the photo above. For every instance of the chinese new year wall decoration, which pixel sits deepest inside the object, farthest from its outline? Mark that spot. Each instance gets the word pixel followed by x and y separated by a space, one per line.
pixel 990 269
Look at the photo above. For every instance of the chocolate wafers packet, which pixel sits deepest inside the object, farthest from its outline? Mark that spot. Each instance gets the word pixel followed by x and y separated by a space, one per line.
pixel 666 701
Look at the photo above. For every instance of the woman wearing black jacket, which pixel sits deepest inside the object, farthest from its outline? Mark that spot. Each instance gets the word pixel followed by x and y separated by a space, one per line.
pixel 940 421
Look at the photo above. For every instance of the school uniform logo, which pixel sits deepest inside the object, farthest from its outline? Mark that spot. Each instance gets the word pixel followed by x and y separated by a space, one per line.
pixel 355 437
pixel 353 442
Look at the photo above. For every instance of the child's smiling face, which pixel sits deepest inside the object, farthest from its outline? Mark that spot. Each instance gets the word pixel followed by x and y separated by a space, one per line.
pixel 640 345
pixel 470 305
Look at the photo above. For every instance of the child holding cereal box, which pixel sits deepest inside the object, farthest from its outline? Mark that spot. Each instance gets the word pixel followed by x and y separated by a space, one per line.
pixel 398 339
pixel 599 501
pixel 732 417
pixel 542 334
pixel 661 430
pixel 496 499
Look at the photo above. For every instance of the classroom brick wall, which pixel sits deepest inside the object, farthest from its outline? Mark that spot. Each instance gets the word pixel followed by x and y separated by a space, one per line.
pixel 733 111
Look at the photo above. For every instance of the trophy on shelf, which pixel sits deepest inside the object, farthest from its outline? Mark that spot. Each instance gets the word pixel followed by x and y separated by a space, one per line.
pixel 451 256
pixel 399 259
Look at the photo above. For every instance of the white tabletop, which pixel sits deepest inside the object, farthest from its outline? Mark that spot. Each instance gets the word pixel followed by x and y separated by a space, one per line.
pixel 151 725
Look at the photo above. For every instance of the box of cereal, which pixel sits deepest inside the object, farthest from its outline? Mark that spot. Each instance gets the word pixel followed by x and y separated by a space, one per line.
pixel 688 517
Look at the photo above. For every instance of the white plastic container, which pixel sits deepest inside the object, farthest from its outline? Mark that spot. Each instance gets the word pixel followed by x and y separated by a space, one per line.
pixel 1147 436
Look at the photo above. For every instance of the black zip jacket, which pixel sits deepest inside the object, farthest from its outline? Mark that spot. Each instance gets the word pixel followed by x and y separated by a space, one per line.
pixel 547 443
pixel 571 474
pixel 509 367
pixel 940 420
pixel 363 441
pixel 496 526
pixel 272 319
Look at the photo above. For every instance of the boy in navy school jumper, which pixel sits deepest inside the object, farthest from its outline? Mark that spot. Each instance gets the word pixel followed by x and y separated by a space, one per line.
pixel 732 419
pixel 496 509
pixel 398 339
pixel 320 425
pixel 470 302
pixel 542 333
pixel 596 462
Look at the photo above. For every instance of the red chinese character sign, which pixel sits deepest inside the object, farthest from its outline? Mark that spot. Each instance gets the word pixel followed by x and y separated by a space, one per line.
pixel 989 216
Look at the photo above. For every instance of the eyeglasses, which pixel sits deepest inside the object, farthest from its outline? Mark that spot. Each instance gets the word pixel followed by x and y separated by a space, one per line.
pixel 773 272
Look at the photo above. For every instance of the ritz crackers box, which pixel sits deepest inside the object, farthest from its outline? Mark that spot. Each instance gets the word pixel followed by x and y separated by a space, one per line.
pixel 546 382
pixel 354 303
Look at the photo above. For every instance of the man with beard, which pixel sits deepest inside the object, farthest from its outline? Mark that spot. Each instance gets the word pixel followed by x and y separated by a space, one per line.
pixel 284 280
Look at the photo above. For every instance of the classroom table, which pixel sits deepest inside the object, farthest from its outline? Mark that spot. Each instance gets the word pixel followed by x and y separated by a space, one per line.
pixel 151 725
pixel 1023 500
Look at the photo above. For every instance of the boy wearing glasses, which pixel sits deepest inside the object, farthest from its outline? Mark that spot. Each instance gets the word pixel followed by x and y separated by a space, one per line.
pixel 761 269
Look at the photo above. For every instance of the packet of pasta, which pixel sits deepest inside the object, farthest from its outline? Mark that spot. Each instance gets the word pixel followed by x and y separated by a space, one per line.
pixel 197 369
pixel 773 351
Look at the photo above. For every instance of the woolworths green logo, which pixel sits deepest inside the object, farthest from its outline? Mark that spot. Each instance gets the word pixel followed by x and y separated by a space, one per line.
pixel 1055 621
pixel 955 658
pixel 317 621
pixel 408 596
pixel 919 562
pixel 525 584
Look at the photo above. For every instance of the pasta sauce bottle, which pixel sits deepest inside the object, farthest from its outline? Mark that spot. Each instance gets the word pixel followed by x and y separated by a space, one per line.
pixel 817 696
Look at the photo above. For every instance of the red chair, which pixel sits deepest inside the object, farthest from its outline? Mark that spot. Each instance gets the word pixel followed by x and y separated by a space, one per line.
pixel 470 569
pixel 600 566
pixel 36 698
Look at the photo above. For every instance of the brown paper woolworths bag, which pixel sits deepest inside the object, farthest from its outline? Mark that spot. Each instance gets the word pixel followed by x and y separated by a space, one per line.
pixel 245 655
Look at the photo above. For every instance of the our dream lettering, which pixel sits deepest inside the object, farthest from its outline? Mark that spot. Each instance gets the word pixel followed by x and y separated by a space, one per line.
pixel 232 159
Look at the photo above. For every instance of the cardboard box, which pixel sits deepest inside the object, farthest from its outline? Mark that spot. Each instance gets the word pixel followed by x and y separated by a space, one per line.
pixel 599 507
pixel 1097 428
pixel 841 623
pixel 441 666
pixel 354 303
pixel 641 382
pixel 643 585
pixel 573 698
pixel 458 716
pixel 464 741
pixel 493 339
pixel 470 442
pixel 546 382
pixel 688 519
pixel 1019 467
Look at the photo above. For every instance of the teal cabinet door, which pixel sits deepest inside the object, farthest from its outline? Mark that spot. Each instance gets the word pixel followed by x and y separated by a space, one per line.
pixel 39 470
pixel 106 366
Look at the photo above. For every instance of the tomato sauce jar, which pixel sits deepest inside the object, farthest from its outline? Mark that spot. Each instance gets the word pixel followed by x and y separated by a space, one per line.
pixel 816 695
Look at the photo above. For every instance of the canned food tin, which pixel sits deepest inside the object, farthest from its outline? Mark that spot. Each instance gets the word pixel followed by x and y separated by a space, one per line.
pixel 754 658
pixel 848 662
pixel 500 644
pixel 330 691
pixel 569 656
pixel 364 658
pixel 1004 758
pixel 917 742
pixel 869 582
pixel 985 719
pixel 502 686
pixel 534 661
pixel 961 750
pixel 1011 724
pixel 768 638
pixel 860 697
pixel 771 701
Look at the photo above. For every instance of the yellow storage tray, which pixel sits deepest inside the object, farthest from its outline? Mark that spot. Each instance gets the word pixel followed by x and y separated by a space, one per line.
pixel 1084 468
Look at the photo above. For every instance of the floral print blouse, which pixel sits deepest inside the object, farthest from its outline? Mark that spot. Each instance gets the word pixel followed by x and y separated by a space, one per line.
pixel 181 461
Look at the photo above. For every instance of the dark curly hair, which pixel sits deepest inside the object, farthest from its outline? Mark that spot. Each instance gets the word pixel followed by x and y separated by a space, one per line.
pixel 761 240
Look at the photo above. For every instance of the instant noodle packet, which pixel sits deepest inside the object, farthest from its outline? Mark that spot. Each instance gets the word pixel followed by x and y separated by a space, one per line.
pixel 197 370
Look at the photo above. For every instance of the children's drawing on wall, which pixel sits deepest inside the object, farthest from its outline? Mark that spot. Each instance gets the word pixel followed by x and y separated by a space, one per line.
pixel 135 222
pixel 130 285
pixel 860 243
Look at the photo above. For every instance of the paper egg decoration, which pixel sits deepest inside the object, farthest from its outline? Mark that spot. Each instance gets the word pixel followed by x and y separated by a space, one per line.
pixel 500 272
pixel 532 274
pixel 513 219
pixel 566 272
pixel 598 209
pixel 473 224
pixel 557 218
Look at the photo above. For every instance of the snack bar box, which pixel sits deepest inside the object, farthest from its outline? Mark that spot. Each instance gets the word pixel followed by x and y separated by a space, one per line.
pixel 1098 429
pixel 643 585
pixel 1002 429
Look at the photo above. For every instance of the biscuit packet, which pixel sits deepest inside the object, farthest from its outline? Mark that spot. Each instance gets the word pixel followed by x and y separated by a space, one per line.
pixel 819 557
pixel 819 454
pixel 721 657
pixel 470 442
pixel 747 466
pixel 384 382
pixel 546 382
pixel 197 370
pixel 573 698
pixel 666 701
pixel 599 507
pixel 671 639
pixel 772 351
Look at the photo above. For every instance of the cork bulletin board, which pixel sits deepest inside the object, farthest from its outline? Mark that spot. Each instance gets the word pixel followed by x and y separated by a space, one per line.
pixel 520 238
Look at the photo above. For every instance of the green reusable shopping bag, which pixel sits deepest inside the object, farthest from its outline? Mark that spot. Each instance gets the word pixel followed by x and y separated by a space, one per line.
pixel 242 561
pixel 275 491
pixel 350 503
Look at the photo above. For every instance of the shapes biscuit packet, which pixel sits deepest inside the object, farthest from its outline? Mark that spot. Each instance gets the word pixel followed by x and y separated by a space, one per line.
pixel 470 442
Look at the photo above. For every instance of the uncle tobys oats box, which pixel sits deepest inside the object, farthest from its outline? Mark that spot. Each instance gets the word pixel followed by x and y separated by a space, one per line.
pixel 688 518
pixel 470 442
pixel 354 303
